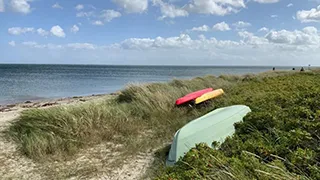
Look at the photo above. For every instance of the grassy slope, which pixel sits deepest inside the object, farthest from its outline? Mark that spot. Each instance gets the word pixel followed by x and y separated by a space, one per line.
pixel 284 122
pixel 282 134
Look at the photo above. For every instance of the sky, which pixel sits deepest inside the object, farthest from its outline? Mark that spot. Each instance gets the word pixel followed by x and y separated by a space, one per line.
pixel 161 32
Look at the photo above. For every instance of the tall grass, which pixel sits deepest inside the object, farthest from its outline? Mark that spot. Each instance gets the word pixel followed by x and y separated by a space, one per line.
pixel 139 113
pixel 144 116
pixel 137 109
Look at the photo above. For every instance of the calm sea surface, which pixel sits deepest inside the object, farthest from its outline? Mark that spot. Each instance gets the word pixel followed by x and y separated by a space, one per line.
pixel 32 82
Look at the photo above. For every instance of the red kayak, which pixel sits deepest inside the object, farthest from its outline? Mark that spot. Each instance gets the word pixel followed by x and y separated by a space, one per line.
pixel 192 96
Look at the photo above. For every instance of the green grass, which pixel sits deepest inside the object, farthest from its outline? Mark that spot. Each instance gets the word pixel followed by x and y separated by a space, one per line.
pixel 282 134
pixel 203 162
pixel 284 123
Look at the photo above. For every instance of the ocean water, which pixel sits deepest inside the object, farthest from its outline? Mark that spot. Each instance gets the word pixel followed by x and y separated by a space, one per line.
pixel 34 82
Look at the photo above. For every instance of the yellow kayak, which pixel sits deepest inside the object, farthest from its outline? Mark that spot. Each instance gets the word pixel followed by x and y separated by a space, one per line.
pixel 209 95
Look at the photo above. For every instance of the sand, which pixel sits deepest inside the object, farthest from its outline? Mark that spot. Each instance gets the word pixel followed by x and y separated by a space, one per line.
pixel 97 162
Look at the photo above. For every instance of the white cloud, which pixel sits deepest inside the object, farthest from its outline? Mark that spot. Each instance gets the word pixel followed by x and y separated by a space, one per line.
pixel 21 6
pixel 183 40
pixel 290 5
pixel 2 9
pixel 12 43
pixel 250 39
pixel 57 6
pixel 215 7
pixel 266 1
pixel 137 43
pixel 108 15
pixel 203 28
pixel 79 7
pixel 298 39
pixel 312 15
pixel 308 36
pixel 81 46
pixel 58 31
pixel 310 30
pixel 85 14
pixel 169 10
pixel 202 37
pixel 263 29
pixel 274 16
pixel 19 30
pixel 97 23
pixel 100 18
pixel 34 44
pixel 74 29
pixel 132 6
pixel 74 46
pixel 287 47
pixel 222 26
pixel 42 32
pixel 241 25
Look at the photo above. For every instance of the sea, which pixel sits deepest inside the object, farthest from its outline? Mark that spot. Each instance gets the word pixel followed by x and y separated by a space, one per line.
pixel 22 82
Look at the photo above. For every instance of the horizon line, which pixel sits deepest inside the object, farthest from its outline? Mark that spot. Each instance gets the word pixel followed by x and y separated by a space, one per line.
pixel 211 65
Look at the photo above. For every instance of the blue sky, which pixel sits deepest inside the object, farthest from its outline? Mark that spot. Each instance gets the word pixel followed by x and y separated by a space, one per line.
pixel 160 32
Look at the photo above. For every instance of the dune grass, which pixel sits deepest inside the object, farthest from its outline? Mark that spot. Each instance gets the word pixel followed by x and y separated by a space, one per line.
pixel 283 124
pixel 138 114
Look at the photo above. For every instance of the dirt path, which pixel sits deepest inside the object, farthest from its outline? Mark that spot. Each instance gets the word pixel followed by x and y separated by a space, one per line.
pixel 97 162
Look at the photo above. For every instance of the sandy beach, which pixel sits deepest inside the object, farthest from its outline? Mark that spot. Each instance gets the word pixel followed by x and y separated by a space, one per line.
pixel 91 163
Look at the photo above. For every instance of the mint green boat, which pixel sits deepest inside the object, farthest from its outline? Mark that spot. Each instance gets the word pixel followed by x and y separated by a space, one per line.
pixel 214 126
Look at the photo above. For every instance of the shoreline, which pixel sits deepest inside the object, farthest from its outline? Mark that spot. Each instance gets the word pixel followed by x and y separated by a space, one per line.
pixel 42 103
pixel 38 96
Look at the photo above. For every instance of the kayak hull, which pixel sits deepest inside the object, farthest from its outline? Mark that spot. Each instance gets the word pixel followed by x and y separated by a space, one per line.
pixel 192 96
pixel 214 126
pixel 209 95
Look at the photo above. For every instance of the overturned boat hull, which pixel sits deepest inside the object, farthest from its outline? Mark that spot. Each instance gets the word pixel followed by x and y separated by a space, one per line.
pixel 214 126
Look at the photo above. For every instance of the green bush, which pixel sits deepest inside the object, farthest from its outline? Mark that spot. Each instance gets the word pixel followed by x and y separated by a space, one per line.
pixel 202 162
